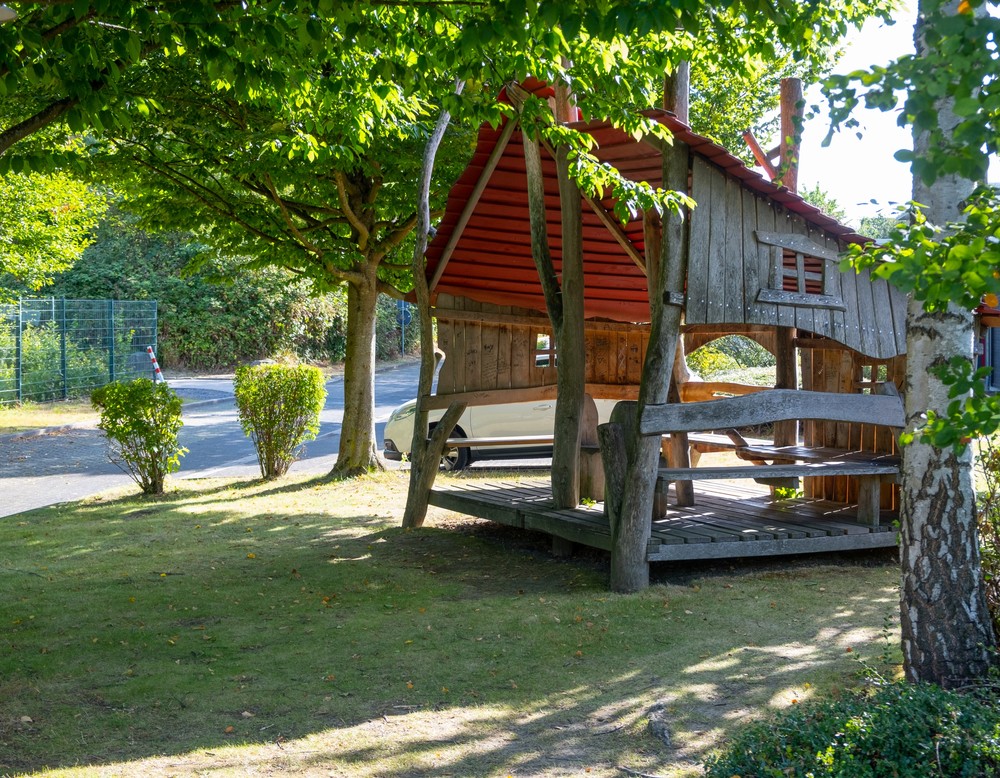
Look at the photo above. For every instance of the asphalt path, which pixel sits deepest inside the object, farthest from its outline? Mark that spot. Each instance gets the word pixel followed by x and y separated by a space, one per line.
pixel 69 464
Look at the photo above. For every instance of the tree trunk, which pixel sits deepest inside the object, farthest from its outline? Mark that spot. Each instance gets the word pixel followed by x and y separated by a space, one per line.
pixel 631 528
pixel 424 456
pixel 358 447
pixel 570 348
pixel 946 628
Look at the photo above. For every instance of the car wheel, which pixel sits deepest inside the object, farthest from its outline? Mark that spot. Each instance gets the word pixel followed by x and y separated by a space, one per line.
pixel 455 459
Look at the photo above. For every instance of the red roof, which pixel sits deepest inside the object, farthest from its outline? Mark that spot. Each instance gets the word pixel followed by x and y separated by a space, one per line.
pixel 491 260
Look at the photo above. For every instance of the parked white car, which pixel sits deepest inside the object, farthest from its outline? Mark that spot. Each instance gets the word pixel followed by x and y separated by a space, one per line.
pixel 482 421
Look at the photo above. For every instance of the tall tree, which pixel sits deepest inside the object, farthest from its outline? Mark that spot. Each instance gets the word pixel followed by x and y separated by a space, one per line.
pixel 335 207
pixel 951 102
pixel 48 220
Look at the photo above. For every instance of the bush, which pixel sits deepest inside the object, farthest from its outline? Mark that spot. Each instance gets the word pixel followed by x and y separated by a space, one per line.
pixel 140 420
pixel 896 730
pixel 988 504
pixel 708 361
pixel 279 410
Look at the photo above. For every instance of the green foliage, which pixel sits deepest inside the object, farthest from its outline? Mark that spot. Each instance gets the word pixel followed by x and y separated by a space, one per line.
pixel 141 420
pixel 708 361
pixel 728 354
pixel 894 730
pixel 279 410
pixel 957 263
pixel 877 227
pixel 41 359
pixel 822 200
pixel 47 223
pixel 959 63
pixel 213 310
pixel 988 509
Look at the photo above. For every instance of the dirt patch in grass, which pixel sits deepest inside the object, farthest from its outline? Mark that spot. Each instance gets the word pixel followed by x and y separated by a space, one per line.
pixel 239 628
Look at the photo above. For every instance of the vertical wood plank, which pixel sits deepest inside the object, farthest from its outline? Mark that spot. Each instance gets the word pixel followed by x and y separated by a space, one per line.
pixel 489 340
pixel 765 313
pixel 897 300
pixel 521 355
pixel 701 219
pixel 601 357
pixel 751 255
pixel 885 330
pixel 866 315
pixel 503 351
pixel 636 351
pixel 474 349
pixel 852 323
pixel 734 270
pixel 718 267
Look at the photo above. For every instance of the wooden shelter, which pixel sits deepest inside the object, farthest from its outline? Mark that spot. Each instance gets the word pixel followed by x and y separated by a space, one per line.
pixel 760 261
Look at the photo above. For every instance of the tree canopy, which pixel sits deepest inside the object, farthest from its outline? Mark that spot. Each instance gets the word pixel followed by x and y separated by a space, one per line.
pixel 47 222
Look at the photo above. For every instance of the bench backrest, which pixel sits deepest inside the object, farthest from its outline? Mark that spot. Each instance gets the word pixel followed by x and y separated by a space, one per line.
pixel 770 406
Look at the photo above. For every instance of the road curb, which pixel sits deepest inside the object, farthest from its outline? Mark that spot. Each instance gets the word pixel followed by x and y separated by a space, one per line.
pixel 90 425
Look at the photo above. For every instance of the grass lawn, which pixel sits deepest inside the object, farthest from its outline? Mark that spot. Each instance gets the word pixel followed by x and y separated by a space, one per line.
pixel 30 415
pixel 249 628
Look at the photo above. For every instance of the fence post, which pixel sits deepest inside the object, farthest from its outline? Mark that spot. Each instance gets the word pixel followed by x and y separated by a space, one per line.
pixel 63 367
pixel 111 340
pixel 18 355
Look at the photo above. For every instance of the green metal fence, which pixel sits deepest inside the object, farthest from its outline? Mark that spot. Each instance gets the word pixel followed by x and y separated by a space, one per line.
pixel 53 349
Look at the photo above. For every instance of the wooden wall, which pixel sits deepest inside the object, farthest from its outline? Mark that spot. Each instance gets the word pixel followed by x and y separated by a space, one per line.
pixel 489 347
pixel 730 265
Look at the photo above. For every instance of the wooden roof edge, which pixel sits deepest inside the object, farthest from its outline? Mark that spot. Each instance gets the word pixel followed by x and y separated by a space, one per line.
pixel 721 157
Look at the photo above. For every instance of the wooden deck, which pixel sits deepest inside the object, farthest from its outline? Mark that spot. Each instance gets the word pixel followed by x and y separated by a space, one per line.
pixel 728 520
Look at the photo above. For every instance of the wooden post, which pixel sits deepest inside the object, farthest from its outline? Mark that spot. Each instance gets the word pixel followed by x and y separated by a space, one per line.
pixel 676 98
pixel 631 528
pixel 677 91
pixel 791 132
pixel 786 433
pixel 591 467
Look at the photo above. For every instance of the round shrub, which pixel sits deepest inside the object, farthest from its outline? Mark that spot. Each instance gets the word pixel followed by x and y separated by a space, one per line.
pixel 140 420
pixel 279 410
pixel 899 730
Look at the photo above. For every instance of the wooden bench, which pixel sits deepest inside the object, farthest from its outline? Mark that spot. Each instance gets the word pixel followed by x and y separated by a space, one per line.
pixel 771 464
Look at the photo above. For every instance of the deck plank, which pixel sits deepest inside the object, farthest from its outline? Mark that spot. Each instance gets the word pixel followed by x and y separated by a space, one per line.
pixel 728 520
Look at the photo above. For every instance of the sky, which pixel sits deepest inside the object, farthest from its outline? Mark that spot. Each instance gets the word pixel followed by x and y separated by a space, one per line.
pixel 856 171
pixel 851 170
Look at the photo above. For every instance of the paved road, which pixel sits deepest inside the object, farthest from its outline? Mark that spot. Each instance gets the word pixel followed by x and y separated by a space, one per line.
pixel 71 464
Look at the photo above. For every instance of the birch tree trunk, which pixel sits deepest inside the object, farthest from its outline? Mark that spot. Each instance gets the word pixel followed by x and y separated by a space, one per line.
pixel 946 628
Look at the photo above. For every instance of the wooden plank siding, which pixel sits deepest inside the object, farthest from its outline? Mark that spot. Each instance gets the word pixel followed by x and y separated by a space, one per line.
pixel 490 347
pixel 729 267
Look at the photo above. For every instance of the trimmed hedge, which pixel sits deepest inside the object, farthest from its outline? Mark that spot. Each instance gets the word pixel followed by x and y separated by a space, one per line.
pixel 141 420
pixel 279 410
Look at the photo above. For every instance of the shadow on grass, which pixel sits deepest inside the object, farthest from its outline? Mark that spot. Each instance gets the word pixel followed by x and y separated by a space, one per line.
pixel 267 629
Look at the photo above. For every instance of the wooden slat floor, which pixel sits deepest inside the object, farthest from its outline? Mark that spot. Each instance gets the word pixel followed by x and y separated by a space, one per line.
pixel 728 520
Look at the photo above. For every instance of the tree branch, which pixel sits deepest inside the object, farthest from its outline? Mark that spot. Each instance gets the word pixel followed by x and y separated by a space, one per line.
pixel 306 244
pixel 345 206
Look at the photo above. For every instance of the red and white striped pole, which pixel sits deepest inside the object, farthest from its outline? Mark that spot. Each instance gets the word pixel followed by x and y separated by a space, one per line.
pixel 157 375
